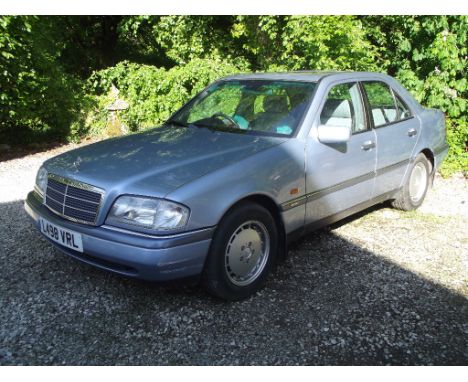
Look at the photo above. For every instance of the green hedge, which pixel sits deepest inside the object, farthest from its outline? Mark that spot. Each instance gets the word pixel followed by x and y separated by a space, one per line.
pixel 159 62
pixel 38 99
pixel 457 138
pixel 152 93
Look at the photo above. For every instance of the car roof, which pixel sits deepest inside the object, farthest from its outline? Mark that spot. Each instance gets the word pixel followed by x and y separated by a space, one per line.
pixel 304 75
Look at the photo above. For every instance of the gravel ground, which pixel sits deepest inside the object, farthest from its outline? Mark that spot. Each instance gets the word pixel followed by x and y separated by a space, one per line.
pixel 382 287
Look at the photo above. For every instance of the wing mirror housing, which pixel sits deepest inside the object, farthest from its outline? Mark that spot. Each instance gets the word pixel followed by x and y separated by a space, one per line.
pixel 333 134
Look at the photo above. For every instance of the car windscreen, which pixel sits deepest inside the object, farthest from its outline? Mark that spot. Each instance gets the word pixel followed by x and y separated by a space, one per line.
pixel 263 107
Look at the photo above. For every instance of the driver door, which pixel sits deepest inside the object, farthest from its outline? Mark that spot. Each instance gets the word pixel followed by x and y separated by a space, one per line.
pixel 340 176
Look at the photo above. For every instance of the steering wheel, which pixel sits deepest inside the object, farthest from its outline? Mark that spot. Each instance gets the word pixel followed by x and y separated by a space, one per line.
pixel 226 117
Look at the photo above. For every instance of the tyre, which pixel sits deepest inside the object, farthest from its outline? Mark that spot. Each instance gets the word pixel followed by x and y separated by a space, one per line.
pixel 415 188
pixel 242 253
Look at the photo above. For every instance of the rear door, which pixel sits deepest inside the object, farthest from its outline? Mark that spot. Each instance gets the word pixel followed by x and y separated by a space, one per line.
pixel 396 131
pixel 341 176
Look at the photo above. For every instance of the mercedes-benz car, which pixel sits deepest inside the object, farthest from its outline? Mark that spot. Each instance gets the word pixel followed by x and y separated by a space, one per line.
pixel 245 167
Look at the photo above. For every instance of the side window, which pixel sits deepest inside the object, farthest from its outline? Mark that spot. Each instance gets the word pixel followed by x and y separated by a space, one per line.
pixel 343 107
pixel 382 103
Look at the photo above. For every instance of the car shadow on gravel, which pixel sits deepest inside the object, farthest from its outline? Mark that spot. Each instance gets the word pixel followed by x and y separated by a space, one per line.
pixel 331 302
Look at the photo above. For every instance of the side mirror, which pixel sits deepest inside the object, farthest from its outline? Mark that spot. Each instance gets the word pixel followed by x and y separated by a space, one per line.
pixel 333 134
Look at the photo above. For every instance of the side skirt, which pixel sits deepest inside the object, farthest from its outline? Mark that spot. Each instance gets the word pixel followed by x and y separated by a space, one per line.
pixel 297 234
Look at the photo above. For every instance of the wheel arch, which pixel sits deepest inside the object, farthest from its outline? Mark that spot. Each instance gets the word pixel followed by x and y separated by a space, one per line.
pixel 269 203
pixel 430 156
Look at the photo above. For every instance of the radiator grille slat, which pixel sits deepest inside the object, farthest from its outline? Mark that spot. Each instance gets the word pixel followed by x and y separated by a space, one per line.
pixel 84 194
pixel 80 204
pixel 81 215
pixel 57 196
pixel 57 207
pixel 57 186
pixel 71 201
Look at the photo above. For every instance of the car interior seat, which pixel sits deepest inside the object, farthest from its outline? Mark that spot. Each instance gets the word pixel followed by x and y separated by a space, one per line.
pixel 275 109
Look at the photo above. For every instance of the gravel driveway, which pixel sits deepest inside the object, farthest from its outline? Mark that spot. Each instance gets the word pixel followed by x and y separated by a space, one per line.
pixel 382 287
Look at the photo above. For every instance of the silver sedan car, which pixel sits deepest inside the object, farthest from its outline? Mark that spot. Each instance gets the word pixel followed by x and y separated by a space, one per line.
pixel 249 164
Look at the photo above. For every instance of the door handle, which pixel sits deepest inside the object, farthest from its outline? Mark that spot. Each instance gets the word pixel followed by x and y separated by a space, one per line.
pixel 412 132
pixel 367 145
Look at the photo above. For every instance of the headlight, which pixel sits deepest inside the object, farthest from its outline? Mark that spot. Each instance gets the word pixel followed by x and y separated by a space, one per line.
pixel 41 181
pixel 149 213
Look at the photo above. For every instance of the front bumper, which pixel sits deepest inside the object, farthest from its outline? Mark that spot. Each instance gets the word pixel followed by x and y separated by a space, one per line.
pixel 154 258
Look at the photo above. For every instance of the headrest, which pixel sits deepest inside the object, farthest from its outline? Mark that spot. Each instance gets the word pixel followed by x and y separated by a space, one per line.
pixel 336 108
pixel 275 104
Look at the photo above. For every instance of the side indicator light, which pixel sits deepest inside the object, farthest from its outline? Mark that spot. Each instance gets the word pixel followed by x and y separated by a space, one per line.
pixel 294 191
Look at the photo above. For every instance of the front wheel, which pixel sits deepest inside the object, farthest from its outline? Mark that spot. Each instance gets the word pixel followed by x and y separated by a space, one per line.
pixel 414 190
pixel 243 250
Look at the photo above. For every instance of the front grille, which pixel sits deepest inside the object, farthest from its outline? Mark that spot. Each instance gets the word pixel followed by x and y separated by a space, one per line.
pixel 72 200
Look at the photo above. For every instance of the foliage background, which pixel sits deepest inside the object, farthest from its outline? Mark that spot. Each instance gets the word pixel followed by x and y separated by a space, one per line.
pixel 56 71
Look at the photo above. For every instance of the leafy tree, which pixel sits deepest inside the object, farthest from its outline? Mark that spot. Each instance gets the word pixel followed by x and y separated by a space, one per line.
pixel 187 37
pixel 429 55
pixel 305 42
pixel 153 93
pixel 259 38
pixel 55 72
pixel 137 42
pixel 267 42
pixel 36 95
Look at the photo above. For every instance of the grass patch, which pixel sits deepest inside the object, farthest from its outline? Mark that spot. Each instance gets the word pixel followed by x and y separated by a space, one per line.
pixel 424 217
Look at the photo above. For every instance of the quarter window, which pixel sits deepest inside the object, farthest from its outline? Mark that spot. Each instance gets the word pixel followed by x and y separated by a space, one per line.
pixel 382 103
pixel 343 107
pixel 403 111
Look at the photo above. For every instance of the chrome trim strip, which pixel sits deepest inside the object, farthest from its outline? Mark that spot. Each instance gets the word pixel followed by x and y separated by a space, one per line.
pixel 175 235
pixel 294 203
pixel 325 191
pixel 77 184
pixel 64 199
pixel 55 200
pixel 294 235
pixel 39 192
pixel 52 186
pixel 79 209
pixel 54 190
pixel 54 210
pixel 72 219
pixel 83 200
pixel 337 187
pixel 392 167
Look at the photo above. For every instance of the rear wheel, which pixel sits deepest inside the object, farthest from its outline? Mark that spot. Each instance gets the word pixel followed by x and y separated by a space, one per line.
pixel 243 250
pixel 414 190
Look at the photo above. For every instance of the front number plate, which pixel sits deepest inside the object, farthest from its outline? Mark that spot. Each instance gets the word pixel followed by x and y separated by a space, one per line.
pixel 65 237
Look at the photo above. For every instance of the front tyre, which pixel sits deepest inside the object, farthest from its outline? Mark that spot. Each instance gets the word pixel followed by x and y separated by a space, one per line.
pixel 243 250
pixel 414 190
